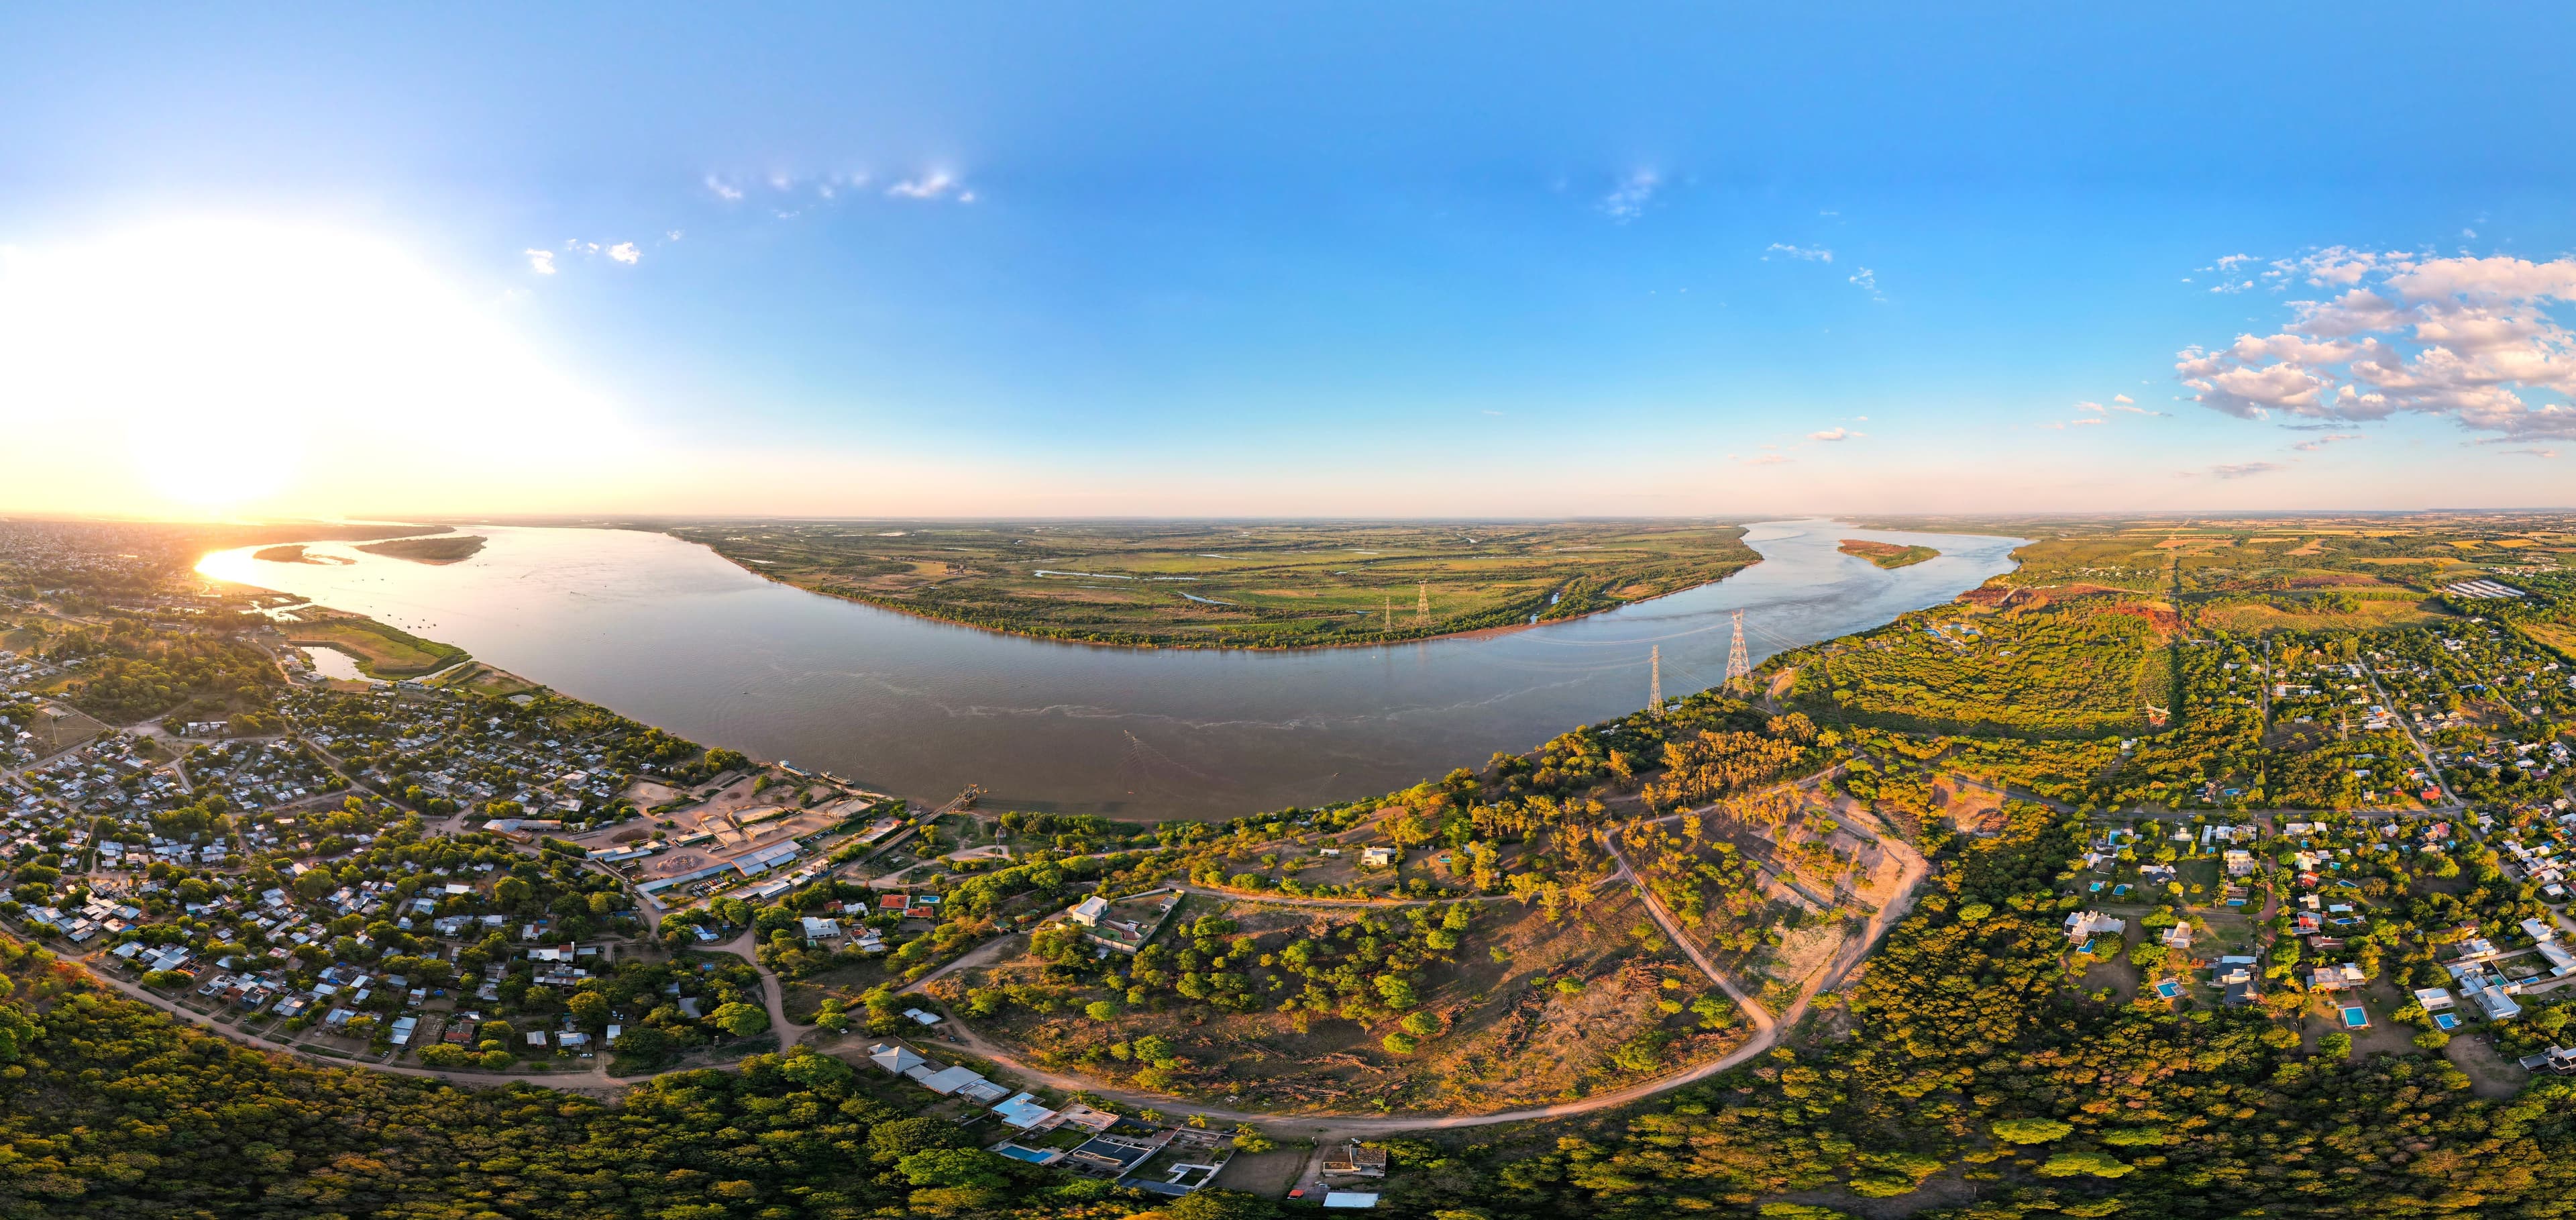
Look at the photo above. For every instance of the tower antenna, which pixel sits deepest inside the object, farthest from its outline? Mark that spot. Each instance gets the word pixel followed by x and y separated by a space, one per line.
pixel 1655 683
pixel 1737 665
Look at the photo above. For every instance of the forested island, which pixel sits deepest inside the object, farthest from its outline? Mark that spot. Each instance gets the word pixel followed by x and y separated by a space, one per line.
pixel 1236 584
pixel 443 548
pixel 1887 554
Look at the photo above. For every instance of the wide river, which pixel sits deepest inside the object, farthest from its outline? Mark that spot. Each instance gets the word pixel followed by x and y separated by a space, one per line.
pixel 670 634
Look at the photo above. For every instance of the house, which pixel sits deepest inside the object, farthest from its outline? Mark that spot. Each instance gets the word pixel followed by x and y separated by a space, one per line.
pixel 2540 930
pixel 2177 937
pixel 2556 1059
pixel 2336 978
pixel 2433 998
pixel 949 1080
pixel 2239 862
pixel 1087 912
pixel 2081 925
pixel 1022 1111
pixel 1377 857
pixel 2495 1004
pixel 923 1019
pixel 820 929
pixel 1356 1159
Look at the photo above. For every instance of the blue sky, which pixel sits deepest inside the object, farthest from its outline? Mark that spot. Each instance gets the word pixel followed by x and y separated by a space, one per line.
pixel 1358 260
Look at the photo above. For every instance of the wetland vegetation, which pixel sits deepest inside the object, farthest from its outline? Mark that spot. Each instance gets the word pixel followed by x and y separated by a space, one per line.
pixel 1237 584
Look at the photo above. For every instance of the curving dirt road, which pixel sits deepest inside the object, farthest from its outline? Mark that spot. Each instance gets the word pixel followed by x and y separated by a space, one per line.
pixel 1328 1129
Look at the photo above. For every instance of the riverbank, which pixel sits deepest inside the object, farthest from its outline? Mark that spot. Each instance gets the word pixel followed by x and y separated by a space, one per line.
pixel 1537 619
pixel 671 634
pixel 1253 587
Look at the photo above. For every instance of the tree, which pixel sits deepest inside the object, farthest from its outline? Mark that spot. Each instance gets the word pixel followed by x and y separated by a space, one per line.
pixel 814 1071
pixel 2097 1164
pixel 953 1167
pixel 1101 1010
pixel 893 1141
pixel 1221 1205
pixel 2032 1130
pixel 644 1042
pixel 739 1019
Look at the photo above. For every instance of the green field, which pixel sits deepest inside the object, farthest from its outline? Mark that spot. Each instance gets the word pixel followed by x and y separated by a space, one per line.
pixel 1237 585
pixel 381 651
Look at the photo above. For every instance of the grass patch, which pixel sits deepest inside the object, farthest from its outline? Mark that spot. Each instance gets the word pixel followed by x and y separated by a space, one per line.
pixel 381 651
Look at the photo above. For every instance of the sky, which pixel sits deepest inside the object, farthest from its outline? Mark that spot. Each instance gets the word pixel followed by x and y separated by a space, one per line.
pixel 1285 259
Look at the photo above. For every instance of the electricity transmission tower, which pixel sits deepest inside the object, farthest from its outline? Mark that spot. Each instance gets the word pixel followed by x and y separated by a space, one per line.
pixel 1655 683
pixel 1422 608
pixel 1390 612
pixel 1737 665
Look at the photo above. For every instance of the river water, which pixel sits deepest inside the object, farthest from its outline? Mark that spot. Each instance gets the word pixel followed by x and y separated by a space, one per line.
pixel 670 634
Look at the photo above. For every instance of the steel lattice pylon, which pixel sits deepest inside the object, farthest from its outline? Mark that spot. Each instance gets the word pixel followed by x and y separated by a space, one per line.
pixel 1737 664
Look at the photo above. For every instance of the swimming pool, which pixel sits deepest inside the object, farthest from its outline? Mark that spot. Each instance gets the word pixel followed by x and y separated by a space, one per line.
pixel 2355 1017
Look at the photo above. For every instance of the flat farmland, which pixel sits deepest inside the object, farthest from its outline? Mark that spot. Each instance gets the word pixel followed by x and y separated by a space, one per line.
pixel 1236 585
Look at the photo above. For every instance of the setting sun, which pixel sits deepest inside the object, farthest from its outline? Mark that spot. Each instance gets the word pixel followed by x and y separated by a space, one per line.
pixel 238 363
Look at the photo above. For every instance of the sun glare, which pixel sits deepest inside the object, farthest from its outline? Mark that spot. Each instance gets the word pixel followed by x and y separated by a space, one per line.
pixel 218 365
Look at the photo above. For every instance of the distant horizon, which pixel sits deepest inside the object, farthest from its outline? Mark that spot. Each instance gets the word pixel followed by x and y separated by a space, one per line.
pixel 579 520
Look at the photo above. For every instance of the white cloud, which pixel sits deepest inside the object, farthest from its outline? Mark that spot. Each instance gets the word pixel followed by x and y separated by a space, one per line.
pixel 1868 281
pixel 2237 287
pixel 724 190
pixel 2532 450
pixel 2122 400
pixel 2088 406
pixel 2088 421
pixel 2245 470
pixel 2471 338
pixel 2229 262
pixel 1767 459
pixel 1627 201
pixel 937 184
pixel 625 252
pixel 2052 425
pixel 1813 254
pixel 541 261
pixel 1835 434
pixel 672 235
pixel 2310 446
